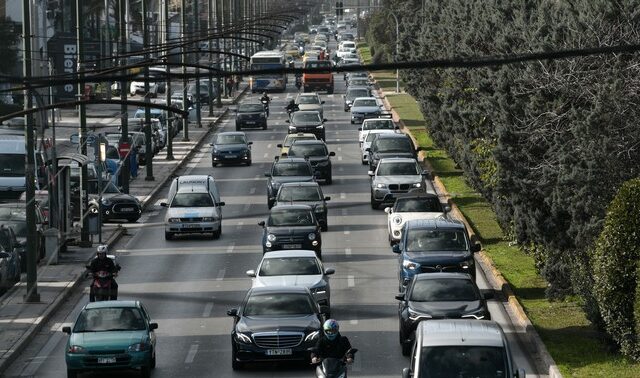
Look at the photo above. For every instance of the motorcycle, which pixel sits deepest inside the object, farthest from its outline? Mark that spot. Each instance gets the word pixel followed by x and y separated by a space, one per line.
pixel 265 105
pixel 298 82
pixel 334 367
pixel 102 286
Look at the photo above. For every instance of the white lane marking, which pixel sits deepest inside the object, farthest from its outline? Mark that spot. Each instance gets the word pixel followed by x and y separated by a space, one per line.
pixel 337 139
pixel 353 321
pixel 207 310
pixel 252 190
pixel 269 145
pixel 347 232
pixel 240 224
pixel 221 273
pixel 343 195
pixel 339 158
pixel 231 247
pixel 266 154
pixel 351 280
pixel 339 148
pixel 191 355
pixel 347 251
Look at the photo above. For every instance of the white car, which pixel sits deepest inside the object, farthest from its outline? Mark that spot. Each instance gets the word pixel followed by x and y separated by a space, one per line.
pixel 349 46
pixel 375 124
pixel 138 87
pixel 370 135
pixel 413 206
pixel 295 268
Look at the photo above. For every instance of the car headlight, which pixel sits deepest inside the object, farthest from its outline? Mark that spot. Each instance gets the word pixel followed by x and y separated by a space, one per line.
pixel 408 264
pixel 174 220
pixel 312 336
pixel 414 315
pixel 291 127
pixel 380 186
pixel 106 202
pixel 417 185
pixel 478 315
pixel 207 219
pixel 271 237
pixel 319 290
pixel 319 209
pixel 397 219
pixel 76 349
pixel 138 347
pixel 320 127
pixel 242 338
pixel 312 236
pixel 467 265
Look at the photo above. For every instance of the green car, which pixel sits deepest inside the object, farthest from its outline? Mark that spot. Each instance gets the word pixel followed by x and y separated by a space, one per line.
pixel 111 335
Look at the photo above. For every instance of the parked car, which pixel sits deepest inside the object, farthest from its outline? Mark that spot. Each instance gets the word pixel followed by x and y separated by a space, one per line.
pixel 305 193
pixel 9 258
pixel 114 204
pixel 230 147
pixel 438 296
pixel 111 335
pixel 295 268
pixel 15 217
pixel 251 115
pixel 291 227
pixel 274 323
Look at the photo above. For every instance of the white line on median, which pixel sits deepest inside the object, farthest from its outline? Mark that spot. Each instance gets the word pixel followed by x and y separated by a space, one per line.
pixel 207 310
pixel 347 251
pixel 191 355
pixel 266 154
pixel 343 195
pixel 339 158
pixel 351 281
pixel 221 273
pixel 252 190
pixel 231 247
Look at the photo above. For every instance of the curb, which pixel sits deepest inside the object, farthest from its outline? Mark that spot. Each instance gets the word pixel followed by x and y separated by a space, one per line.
pixel 493 275
pixel 33 330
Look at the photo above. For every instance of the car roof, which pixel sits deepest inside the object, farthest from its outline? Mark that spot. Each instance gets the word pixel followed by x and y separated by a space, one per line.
pixel 364 98
pixel 393 135
pixel 461 332
pixel 289 253
pixel 441 275
pixel 108 304
pixel 397 160
pixel 278 289
pixel 298 184
pixel 436 223
pixel 291 159
pixel 309 141
pixel 291 207
pixel 232 133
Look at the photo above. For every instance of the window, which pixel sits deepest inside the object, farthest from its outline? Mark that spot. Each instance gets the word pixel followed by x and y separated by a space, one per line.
pixel 427 204
pixel 443 290
pixel 398 169
pixel 427 240
pixel 250 108
pixel 317 64
pixel 230 139
pixel 308 100
pixel 312 117
pixel 292 169
pixel 299 193
pixel 290 217
pixel 13 165
pixel 19 228
pixel 289 140
pixel 355 93
pixel 278 305
pixel 393 145
pixel 289 266
pixel 192 200
pixel 110 319
pixel 302 150
pixel 378 125
pixel 463 362
pixel 365 102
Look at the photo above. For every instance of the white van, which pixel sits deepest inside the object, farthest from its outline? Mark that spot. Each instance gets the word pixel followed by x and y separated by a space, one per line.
pixel 194 206
pixel 12 165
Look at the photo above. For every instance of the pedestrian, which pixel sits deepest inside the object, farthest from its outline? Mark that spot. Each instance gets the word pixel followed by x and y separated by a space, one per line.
pixel 230 87
pixel 237 82
pixel 133 162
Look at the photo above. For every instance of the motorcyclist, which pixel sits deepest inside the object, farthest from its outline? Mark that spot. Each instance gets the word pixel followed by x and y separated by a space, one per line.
pixel 103 263
pixel 292 106
pixel 265 100
pixel 298 80
pixel 331 344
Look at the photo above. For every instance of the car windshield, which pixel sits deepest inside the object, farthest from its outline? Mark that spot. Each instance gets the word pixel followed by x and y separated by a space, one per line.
pixel 378 125
pixel 355 93
pixel 12 165
pixel 19 227
pixel 289 266
pixel 299 117
pixel 290 217
pixel 292 169
pixel 392 145
pixel 250 108
pixel 302 150
pixel 230 139
pixel 281 304
pixel 299 193
pixel 308 100
pixel 110 319
pixel 443 290
pixel 422 205
pixel 427 240
pixel 453 361
pixel 289 140
pixel 192 200
pixel 371 137
pixel 398 169
pixel 365 102
pixel 317 63
pixel 358 82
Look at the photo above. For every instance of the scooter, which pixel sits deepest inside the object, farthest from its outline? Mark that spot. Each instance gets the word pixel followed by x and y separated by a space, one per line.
pixel 298 82
pixel 334 367
pixel 102 286
pixel 265 105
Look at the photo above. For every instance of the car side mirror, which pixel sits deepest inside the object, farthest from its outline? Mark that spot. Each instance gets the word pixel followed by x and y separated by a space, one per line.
pixel 370 173
pixel 395 248
pixel 164 204
pixel 388 210
pixel 287 121
pixel 476 247
pixel 249 143
pixel 211 144
pixel 447 209
pixel 261 223
pixel 324 120
pixel 251 273
pixel 359 128
pixel 153 326
pixel 284 154
pixel 66 330
pixel 327 198
pixel 406 373
pixel 400 297
pixel 426 174
pixel 322 102
pixel 396 128
pixel 220 203
pixel 332 153
pixel 279 145
pixel 232 312
pixel 368 149
pixel 488 294
pixel 267 174
pixel 405 282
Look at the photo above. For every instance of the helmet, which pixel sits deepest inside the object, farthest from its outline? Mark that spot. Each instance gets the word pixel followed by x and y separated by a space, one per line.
pixel 102 249
pixel 331 328
pixel 264 93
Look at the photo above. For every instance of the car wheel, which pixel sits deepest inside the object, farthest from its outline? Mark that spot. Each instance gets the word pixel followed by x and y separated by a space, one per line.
pixel 145 372
pixel 214 164
pixel 324 227
pixel 152 365
pixel 72 373
pixel 330 90
pixel 406 348
pixel 248 163
pixel 352 122
pixel 218 232
pixel 329 180
pixel 264 127
pixel 235 365
pixel 168 235
pixel 374 204
pixel 238 127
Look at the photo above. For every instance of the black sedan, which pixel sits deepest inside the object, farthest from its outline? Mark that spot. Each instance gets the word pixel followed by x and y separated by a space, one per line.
pixel 305 193
pixel 251 115
pixel 319 157
pixel 307 121
pixel 116 205
pixel 438 296
pixel 291 227
pixel 287 170
pixel 230 147
pixel 274 324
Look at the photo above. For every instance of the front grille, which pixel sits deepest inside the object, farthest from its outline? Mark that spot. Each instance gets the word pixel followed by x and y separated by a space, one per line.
pixel 278 339
pixel 118 207
pixel 187 220
pixel 441 268
pixel 399 188
pixel 291 239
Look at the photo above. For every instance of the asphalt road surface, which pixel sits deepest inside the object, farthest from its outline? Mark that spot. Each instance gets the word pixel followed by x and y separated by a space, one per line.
pixel 188 284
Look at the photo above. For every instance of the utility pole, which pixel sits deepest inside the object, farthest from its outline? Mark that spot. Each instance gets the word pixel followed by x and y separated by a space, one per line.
pixel 170 123
pixel 185 120
pixel 147 110
pixel 197 59
pixel 32 295
pixel 220 87
pixel 82 131
pixel 209 31
pixel 124 116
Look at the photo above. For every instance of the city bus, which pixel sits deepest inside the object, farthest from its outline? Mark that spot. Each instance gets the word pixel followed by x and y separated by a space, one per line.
pixel 272 81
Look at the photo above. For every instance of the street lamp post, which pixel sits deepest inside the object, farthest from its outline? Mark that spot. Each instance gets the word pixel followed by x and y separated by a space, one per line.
pixel 397 50
pixel 185 120
pixel 169 120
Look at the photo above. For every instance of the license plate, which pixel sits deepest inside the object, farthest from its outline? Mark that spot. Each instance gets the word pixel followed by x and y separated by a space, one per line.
pixel 106 360
pixel 230 156
pixel 127 209
pixel 279 352
pixel 192 225
pixel 292 246
pixel 250 122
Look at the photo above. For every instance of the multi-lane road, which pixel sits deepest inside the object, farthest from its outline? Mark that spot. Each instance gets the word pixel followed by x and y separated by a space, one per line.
pixel 188 284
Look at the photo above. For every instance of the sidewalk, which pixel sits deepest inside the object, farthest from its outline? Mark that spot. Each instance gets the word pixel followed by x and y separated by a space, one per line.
pixel 19 321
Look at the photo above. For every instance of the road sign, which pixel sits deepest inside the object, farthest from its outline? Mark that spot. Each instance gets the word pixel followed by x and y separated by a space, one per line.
pixel 124 149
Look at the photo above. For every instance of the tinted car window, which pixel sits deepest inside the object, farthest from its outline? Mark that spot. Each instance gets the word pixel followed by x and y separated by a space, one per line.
pixel 299 194
pixel 365 102
pixel 397 169
pixel 436 290
pixel 371 137
pixel 317 64
pixel 304 117
pixel 12 165
pixel 463 361
pixel 291 169
pixel 424 240
pixel 109 319
pixel 393 145
pixel 250 108
pixel 289 266
pixel 428 204
pixel 289 140
pixel 302 150
pixel 192 200
pixel 355 93
pixel 308 100
pixel 290 217
pixel 278 305
pixel 230 139
pixel 378 125
pixel 19 228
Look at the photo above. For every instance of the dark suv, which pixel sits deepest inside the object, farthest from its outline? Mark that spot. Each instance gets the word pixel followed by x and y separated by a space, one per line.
pixel 251 115
pixel 438 296
pixel 305 193
pixel 391 145
pixel 291 227
pixel 307 121
pixel 287 170
pixel 319 157
pixel 435 245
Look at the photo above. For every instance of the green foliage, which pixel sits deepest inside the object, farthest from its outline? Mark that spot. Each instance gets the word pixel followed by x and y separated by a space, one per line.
pixel 615 268
pixel 9 46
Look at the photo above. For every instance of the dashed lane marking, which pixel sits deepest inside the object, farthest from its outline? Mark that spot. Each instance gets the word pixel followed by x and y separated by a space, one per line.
pixel 191 355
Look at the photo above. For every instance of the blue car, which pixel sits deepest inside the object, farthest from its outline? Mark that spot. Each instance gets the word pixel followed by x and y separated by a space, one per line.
pixel 434 245
pixel 111 335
